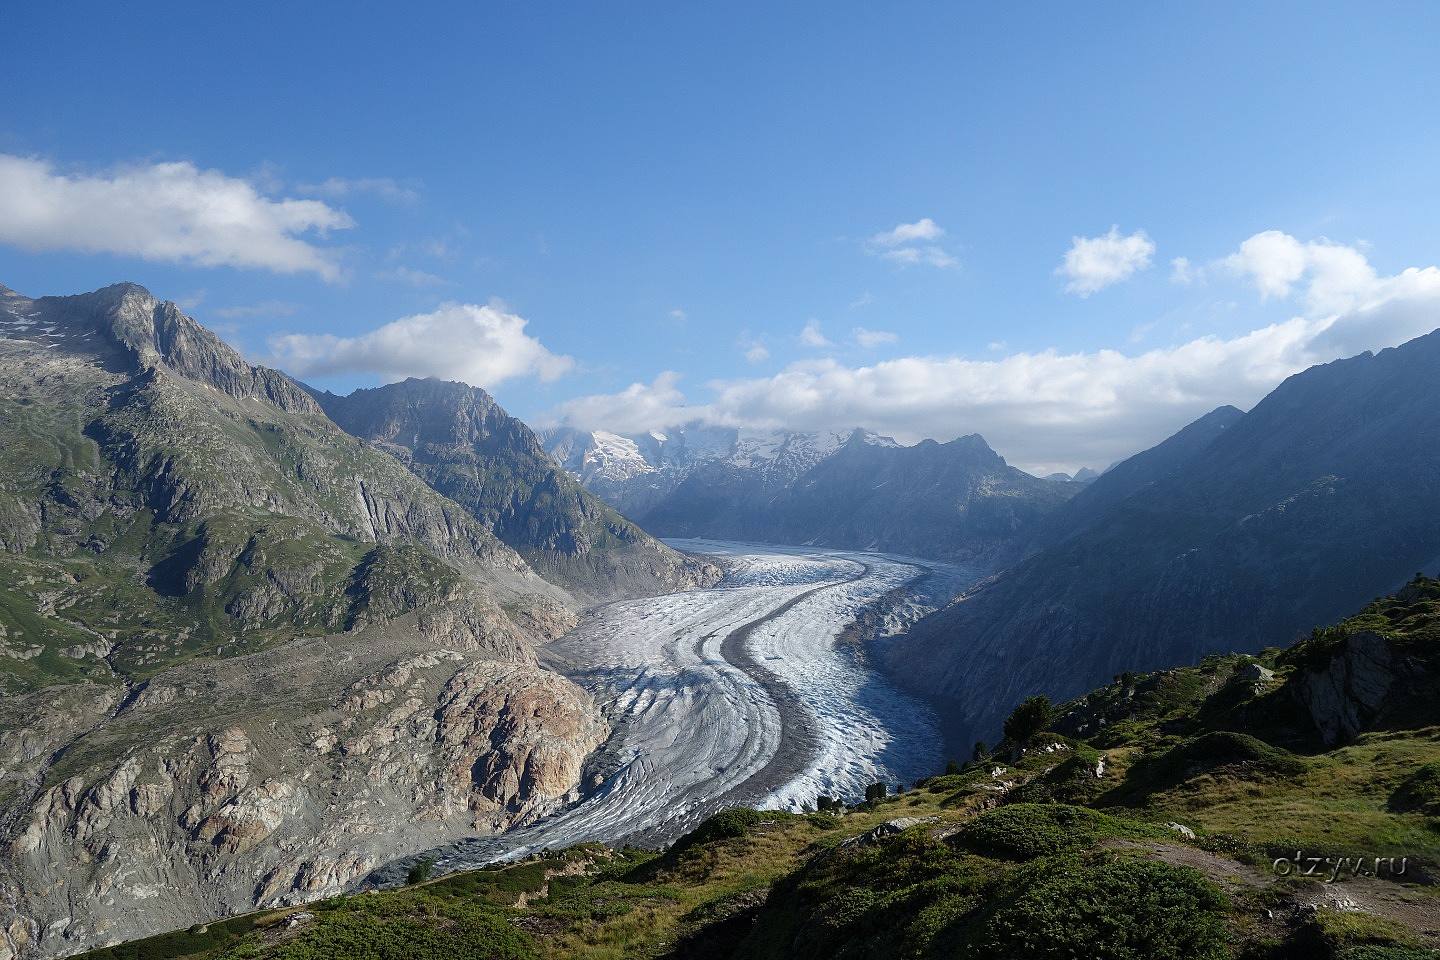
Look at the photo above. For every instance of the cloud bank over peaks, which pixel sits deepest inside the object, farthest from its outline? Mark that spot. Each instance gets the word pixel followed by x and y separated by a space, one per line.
pixel 1049 410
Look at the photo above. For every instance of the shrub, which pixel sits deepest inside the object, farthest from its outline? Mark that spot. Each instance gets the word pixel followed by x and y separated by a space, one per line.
pixel 725 825
pixel 1206 753
pixel 1024 831
pixel 1029 718
pixel 420 871
pixel 1420 793
pixel 1124 909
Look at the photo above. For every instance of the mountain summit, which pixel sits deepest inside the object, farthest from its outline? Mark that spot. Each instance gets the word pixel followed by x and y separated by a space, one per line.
pixel 458 440
pixel 958 500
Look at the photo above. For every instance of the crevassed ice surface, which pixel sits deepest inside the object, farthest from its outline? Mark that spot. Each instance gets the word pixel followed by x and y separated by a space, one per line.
pixel 694 732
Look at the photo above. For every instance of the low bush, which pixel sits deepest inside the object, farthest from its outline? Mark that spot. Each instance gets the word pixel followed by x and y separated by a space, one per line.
pixel 725 825
pixel 1420 792
pixel 1124 909
pixel 1024 831
pixel 1208 753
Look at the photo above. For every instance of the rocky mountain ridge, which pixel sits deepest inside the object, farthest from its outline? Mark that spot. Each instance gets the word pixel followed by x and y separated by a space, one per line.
pixel 954 501
pixel 245 656
pixel 1240 529
pixel 460 442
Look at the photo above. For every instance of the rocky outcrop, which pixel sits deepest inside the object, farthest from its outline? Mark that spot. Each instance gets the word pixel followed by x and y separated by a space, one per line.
pixel 245 657
pixel 1348 692
pixel 350 763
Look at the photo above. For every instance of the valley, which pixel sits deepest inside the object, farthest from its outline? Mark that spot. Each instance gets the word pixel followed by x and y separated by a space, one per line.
pixel 743 694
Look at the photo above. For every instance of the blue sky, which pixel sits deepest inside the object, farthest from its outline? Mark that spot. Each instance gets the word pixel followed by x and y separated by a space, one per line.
pixel 635 211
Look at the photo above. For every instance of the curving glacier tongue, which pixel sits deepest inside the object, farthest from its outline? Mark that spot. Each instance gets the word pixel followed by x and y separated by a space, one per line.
pixel 749 693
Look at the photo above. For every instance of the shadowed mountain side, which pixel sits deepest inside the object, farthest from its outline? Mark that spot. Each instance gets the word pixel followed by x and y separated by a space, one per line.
pixel 1322 497
pixel 461 442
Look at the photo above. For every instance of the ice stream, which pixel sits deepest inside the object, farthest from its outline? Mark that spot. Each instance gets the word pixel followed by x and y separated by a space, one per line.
pixel 743 694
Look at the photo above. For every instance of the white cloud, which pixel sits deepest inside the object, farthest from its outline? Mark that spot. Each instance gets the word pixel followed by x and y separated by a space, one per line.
pixel 678 315
pixel 637 408
pixel 1047 410
pixel 754 348
pixel 1183 272
pixel 1094 263
pixel 812 336
pixel 874 338
pixel 482 346
pixel 912 244
pixel 1337 283
pixel 908 233
pixel 172 212
pixel 1273 260
pixel 383 187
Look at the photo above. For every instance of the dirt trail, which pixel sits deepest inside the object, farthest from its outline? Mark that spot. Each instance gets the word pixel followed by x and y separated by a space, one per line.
pixel 1417 909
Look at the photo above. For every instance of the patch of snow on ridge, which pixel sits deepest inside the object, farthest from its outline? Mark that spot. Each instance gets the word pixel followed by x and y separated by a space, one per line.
pixel 613 457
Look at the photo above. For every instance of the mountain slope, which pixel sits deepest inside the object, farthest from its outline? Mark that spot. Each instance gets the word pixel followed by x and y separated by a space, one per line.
pixel 1130 476
pixel 459 441
pixel 1158 817
pixel 245 657
pixel 956 500
pixel 1321 497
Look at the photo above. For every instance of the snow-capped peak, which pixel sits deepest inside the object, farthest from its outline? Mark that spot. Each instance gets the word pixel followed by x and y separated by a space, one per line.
pixel 613 457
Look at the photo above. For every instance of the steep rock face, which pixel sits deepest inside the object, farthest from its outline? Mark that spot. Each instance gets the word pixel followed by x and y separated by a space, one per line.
pixel 245 656
pixel 1349 691
pixel 1318 499
pixel 956 500
pixel 369 746
pixel 159 497
pixel 459 441
pixel 1129 477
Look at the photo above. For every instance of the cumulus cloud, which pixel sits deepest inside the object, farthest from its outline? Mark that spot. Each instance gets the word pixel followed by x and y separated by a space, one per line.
pixel 1336 282
pixel 1048 410
pixel 482 346
pixel 637 408
pixel 173 212
pixel 911 244
pixel 812 336
pixel 1094 263
pixel 874 338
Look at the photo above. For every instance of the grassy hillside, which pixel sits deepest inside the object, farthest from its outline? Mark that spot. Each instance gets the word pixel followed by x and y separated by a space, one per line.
pixel 1172 814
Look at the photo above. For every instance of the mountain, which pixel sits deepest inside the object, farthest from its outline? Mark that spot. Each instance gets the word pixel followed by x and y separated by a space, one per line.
pixel 1125 479
pixel 956 500
pixel 246 657
pixel 459 441
pixel 1155 817
pixel 637 473
pixel 1238 531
